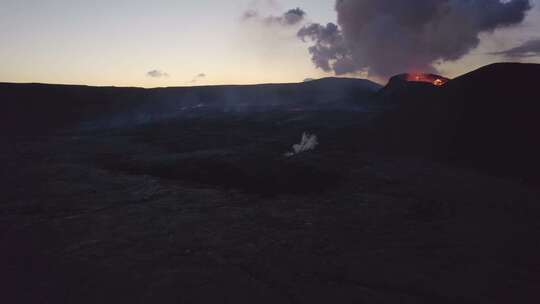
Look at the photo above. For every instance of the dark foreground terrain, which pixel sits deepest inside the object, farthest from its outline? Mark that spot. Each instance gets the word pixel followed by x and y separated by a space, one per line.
pixel 203 206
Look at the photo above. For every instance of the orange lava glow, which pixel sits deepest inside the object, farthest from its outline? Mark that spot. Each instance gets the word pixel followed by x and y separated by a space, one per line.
pixel 429 78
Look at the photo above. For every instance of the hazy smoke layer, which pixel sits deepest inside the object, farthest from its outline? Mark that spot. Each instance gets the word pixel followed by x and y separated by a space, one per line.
pixel 198 77
pixel 387 37
pixel 530 48
pixel 291 17
pixel 157 74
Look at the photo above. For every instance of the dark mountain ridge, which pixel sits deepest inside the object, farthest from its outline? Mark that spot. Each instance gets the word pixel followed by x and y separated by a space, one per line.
pixel 31 108
pixel 487 118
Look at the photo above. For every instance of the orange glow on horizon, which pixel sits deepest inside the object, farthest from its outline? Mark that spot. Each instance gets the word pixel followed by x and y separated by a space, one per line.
pixel 428 78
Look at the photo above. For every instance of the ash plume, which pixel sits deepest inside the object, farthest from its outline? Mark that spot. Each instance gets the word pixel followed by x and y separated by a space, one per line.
pixel 387 37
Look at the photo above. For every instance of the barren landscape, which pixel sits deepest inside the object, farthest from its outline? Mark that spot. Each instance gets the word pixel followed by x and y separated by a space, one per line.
pixel 406 198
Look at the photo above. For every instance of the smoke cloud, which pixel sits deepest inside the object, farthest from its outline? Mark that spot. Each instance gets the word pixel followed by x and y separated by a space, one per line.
pixel 289 18
pixel 198 77
pixel 387 37
pixel 530 48
pixel 157 74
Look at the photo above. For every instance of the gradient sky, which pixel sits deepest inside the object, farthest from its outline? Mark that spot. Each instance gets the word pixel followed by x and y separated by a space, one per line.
pixel 117 42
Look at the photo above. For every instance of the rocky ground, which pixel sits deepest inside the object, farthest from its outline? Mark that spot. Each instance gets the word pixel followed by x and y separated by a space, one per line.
pixel 208 210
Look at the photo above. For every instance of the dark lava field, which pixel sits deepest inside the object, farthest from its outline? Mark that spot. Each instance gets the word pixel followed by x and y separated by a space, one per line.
pixel 414 193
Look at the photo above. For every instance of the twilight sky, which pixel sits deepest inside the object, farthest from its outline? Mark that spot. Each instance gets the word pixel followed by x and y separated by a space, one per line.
pixel 186 42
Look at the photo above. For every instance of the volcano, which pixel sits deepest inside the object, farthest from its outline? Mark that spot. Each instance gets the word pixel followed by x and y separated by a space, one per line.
pixel 433 79
pixel 482 119
pixel 409 86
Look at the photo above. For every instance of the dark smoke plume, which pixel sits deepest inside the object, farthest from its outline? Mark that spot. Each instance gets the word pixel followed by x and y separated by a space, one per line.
pixel 387 37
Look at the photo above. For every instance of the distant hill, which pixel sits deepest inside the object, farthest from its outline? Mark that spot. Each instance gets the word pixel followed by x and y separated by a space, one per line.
pixel 40 107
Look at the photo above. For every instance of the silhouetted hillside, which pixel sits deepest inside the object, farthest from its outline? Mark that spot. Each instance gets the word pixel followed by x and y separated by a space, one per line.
pixel 30 108
pixel 38 107
pixel 486 118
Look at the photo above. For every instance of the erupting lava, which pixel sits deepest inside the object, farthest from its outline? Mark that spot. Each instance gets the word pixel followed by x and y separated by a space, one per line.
pixel 435 80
